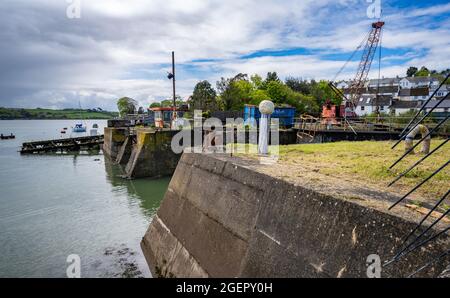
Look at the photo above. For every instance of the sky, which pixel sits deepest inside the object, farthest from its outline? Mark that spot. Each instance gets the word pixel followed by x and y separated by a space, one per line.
pixel 62 53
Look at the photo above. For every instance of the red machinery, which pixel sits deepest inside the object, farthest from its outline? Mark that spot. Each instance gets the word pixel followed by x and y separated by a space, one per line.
pixel 331 112
pixel 356 87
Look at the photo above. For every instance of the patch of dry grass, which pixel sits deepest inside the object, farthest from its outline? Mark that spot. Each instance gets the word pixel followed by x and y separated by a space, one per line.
pixel 369 162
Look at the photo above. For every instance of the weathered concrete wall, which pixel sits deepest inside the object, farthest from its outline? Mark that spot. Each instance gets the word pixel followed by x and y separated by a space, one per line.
pixel 125 150
pixel 221 218
pixel 114 138
pixel 152 155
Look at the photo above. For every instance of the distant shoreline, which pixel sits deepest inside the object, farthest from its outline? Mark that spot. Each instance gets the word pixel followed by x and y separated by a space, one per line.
pixel 30 119
pixel 50 114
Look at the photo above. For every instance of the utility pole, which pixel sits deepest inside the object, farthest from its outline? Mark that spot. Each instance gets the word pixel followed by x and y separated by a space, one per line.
pixel 173 85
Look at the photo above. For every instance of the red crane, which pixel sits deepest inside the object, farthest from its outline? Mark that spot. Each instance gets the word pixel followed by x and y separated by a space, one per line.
pixel 357 84
pixel 356 88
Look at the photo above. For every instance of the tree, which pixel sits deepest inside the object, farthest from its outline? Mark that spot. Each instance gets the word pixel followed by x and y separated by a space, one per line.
pixel 257 81
pixel 126 106
pixel 423 72
pixel 204 97
pixel 299 85
pixel 257 96
pixel 155 105
pixel 281 94
pixel 411 71
pixel 233 92
pixel 322 92
pixel 272 76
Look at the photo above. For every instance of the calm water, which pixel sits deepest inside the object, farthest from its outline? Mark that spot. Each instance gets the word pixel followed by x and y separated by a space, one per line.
pixel 53 206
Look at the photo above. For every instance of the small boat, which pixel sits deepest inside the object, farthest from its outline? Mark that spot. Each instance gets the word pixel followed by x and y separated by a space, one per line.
pixel 65 128
pixel 11 136
pixel 63 131
pixel 79 128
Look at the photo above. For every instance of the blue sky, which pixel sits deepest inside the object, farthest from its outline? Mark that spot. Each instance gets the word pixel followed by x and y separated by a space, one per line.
pixel 123 48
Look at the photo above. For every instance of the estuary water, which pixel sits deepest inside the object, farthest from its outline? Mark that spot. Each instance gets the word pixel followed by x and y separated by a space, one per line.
pixel 54 206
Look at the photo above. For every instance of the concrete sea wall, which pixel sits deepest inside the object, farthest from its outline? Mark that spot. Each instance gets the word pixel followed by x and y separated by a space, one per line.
pixel 114 139
pixel 151 155
pixel 221 218
pixel 147 152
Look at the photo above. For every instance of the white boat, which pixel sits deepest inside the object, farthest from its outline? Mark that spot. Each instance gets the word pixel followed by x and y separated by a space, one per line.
pixel 79 128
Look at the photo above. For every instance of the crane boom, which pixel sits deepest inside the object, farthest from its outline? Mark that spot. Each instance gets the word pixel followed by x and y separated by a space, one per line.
pixel 357 85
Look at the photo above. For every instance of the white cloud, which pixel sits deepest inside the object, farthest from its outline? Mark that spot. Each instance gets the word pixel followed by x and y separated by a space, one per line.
pixel 121 48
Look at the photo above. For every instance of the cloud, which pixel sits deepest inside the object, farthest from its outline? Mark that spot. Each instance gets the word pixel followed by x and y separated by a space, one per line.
pixel 122 48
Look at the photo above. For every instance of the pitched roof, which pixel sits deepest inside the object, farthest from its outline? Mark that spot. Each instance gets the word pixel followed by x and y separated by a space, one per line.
pixel 444 104
pixel 422 91
pixel 421 79
pixel 383 89
pixel 390 81
pixel 406 104
pixel 371 100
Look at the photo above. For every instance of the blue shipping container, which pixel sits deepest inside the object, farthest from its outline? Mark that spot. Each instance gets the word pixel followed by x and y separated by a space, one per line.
pixel 284 114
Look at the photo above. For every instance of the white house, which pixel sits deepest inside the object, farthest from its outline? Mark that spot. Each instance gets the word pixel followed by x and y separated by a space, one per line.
pixel 367 104
pixel 415 82
pixel 342 85
pixel 384 82
pixel 442 108
pixel 402 106
pixel 416 93
pixel 443 91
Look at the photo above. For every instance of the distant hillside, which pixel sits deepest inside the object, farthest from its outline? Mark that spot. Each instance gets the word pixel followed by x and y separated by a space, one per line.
pixel 11 113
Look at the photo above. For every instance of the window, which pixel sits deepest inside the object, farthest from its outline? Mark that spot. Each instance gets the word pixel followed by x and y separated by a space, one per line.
pixel 362 108
pixel 382 108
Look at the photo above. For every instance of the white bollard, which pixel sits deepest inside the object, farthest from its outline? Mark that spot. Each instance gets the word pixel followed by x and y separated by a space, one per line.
pixel 266 108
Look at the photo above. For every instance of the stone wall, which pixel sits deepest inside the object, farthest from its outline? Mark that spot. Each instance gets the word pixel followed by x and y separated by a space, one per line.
pixel 114 138
pixel 221 218
pixel 152 155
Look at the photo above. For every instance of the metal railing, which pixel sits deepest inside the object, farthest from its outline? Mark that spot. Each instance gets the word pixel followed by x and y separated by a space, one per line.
pixel 416 240
pixel 366 124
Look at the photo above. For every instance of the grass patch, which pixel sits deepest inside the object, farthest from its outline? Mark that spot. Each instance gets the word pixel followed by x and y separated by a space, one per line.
pixel 369 162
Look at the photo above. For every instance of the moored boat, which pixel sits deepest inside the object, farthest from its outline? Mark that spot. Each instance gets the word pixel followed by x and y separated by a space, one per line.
pixel 79 128
pixel 9 137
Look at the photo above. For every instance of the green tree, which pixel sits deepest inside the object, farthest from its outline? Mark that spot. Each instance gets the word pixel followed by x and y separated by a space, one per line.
pixel 299 85
pixel 126 105
pixel 423 72
pixel 204 97
pixel 258 95
pixel 281 94
pixel 155 105
pixel 167 103
pixel 272 76
pixel 233 92
pixel 411 71
pixel 257 81
pixel 322 92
